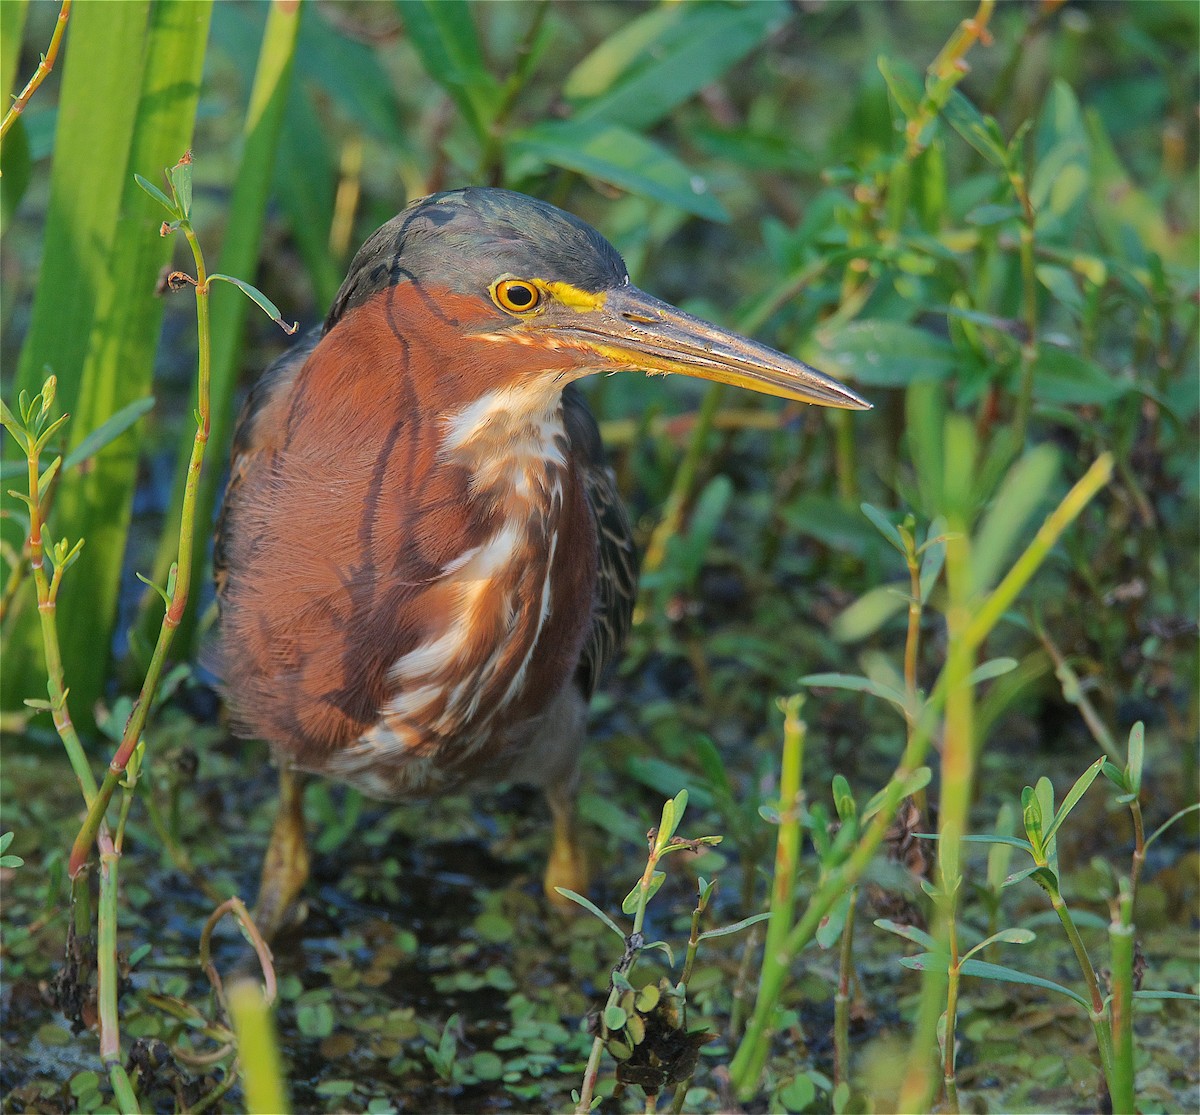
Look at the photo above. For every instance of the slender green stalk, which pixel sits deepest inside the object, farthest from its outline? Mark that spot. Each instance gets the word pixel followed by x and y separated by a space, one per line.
pixel 787 845
pixel 949 1055
pixel 179 585
pixel 39 75
pixel 685 479
pixel 47 597
pixel 841 1000
pixel 1120 934
pixel 106 980
pixel 1029 288
pixel 958 752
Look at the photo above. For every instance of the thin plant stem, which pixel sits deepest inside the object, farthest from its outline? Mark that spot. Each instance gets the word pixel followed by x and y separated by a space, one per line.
pixel 40 74
pixel 787 845
pixel 1121 1082
pixel 841 1000
pixel 958 752
pixel 1139 846
pixel 1029 307
pixel 106 981
pixel 178 586
pixel 949 1055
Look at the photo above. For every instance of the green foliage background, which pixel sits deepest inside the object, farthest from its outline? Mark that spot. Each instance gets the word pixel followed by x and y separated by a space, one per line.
pixel 1018 247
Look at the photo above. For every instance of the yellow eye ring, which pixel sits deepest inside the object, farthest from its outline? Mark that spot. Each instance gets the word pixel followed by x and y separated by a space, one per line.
pixel 516 296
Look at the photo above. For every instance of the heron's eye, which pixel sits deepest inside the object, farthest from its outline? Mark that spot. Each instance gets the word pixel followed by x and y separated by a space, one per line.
pixel 516 295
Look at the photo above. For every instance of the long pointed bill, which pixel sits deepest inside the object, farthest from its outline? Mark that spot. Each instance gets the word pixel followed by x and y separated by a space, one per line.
pixel 634 331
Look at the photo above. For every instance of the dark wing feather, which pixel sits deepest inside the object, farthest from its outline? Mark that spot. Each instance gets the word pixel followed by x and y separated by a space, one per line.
pixel 249 439
pixel 616 582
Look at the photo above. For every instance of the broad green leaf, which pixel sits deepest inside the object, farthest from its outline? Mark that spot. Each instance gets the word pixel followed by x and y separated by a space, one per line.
pixel 181 183
pixel 868 614
pixel 634 897
pixel 832 523
pixel 444 36
pixel 606 64
pixel 829 929
pixel 1024 489
pixel 755 151
pixel 1129 218
pixel 1063 284
pixel 994 668
pixel 980 131
pixel 615 1017
pixel 857 683
pixel 258 298
pixel 884 525
pixel 12 23
pixel 622 158
pixel 16 167
pixel 1004 937
pixel 1073 795
pixel 981 969
pixel 1018 876
pixel 1137 755
pixel 881 353
pixel 932 560
pixel 664 776
pixel 925 411
pixel 903 84
pixel 1062 174
pixel 679 58
pixel 1191 998
pixel 1065 377
pixel 156 193
pixel 909 933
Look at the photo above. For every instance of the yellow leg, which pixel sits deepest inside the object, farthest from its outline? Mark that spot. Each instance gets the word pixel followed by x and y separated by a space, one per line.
pixel 285 866
pixel 567 865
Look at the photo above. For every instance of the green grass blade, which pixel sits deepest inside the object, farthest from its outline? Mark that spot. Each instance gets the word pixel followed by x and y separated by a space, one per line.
pixel 238 257
pixel 102 257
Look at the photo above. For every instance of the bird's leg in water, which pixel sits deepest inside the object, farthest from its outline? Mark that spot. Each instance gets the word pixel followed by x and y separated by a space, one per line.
pixel 567 865
pixel 286 863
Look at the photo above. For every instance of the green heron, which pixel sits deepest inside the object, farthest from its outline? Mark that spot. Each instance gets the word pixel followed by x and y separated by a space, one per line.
pixel 422 560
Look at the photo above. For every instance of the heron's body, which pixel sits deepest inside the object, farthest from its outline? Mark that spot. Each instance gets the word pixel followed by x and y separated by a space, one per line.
pixel 423 565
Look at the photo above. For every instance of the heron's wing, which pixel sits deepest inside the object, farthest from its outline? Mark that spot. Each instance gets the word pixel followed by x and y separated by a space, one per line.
pixel 252 434
pixel 616 581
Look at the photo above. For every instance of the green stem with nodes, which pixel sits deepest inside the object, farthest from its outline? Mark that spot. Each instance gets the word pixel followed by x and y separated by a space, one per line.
pixel 958 770
pixel 1098 1016
pixel 107 977
pixel 661 842
pixel 39 75
pixel 752 1052
pixel 787 846
pixel 179 586
pixel 47 598
pixel 949 1075
pixel 1120 933
pixel 841 1000
pixel 1016 178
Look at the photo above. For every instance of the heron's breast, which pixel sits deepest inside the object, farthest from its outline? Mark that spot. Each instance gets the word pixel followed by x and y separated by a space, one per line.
pixel 505 621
